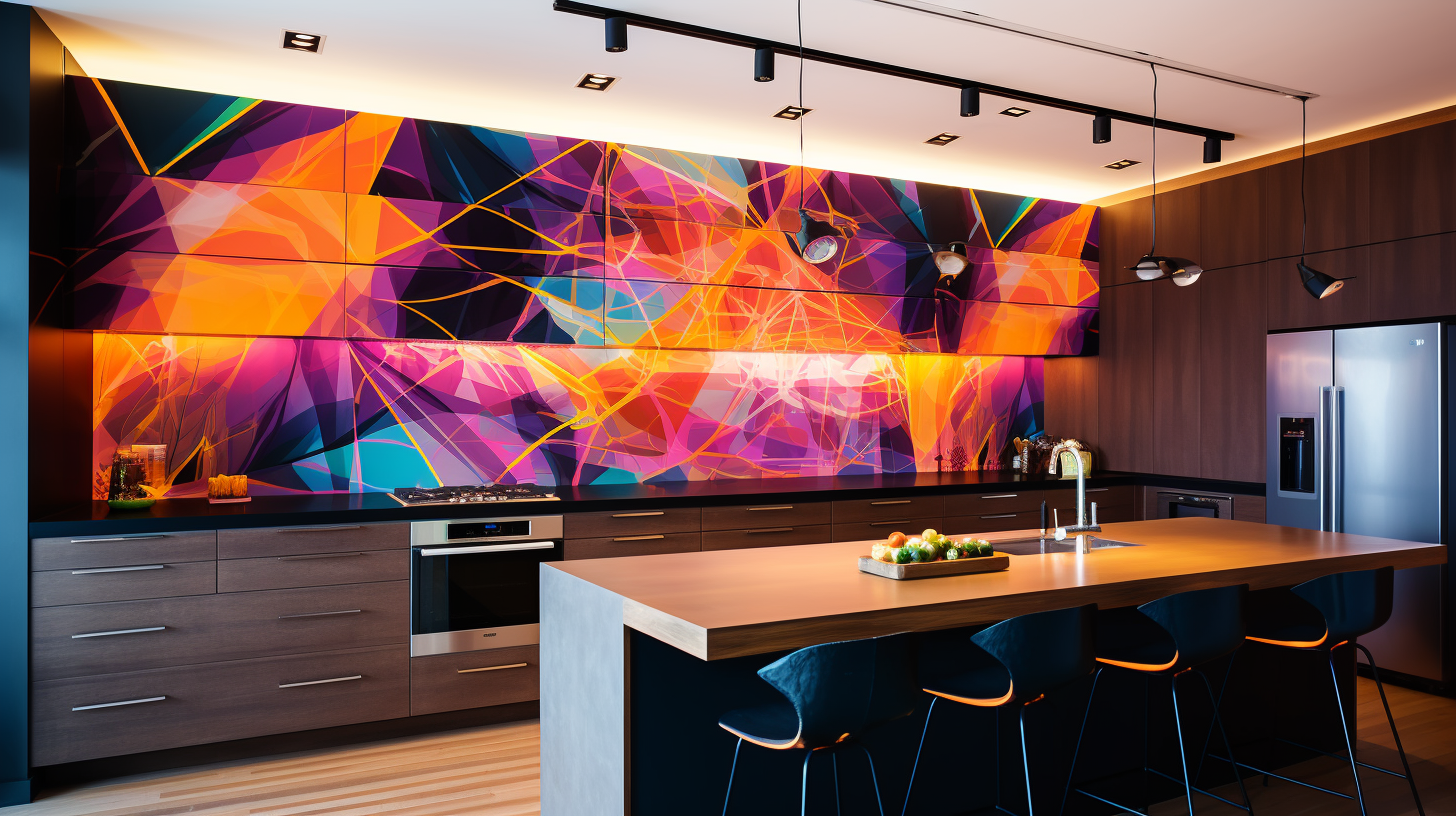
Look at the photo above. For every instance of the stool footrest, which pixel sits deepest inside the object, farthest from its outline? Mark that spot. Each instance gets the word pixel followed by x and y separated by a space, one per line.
pixel 1301 783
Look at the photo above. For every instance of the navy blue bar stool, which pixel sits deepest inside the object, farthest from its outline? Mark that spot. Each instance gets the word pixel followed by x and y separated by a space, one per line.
pixel 832 693
pixel 1017 661
pixel 1318 616
pixel 1169 637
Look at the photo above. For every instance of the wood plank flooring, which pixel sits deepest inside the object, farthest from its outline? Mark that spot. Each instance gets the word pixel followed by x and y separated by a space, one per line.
pixel 494 771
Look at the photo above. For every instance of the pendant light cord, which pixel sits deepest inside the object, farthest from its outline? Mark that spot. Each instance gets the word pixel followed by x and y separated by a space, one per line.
pixel 1154 199
pixel 1303 207
pixel 799 11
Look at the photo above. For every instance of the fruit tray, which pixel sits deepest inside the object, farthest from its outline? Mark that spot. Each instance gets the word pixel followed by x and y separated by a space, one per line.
pixel 995 562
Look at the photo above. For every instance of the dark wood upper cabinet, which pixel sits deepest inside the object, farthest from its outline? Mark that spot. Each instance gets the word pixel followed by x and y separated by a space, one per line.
pixel 1231 392
pixel 1125 231
pixel 1291 307
pixel 1180 223
pixel 1233 221
pixel 1125 379
pixel 1071 398
pixel 1338 195
pixel 1413 278
pixel 1413 183
pixel 1176 342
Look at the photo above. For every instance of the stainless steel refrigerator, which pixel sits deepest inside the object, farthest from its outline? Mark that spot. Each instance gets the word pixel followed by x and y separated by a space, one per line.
pixel 1356 444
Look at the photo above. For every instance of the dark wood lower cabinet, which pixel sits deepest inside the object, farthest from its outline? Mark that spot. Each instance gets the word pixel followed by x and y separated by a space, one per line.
pixel 994 523
pixel 870 530
pixel 766 537
pixel 315 569
pixel 628 545
pixel 102 584
pixel 114 714
pixel 452 682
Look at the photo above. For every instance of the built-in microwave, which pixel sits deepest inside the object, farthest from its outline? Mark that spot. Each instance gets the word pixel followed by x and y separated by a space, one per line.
pixel 475 583
pixel 1185 503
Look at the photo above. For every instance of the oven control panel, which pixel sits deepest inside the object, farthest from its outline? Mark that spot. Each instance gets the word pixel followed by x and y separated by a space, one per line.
pixel 460 531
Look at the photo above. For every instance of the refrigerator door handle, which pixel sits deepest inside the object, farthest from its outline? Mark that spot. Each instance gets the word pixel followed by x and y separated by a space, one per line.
pixel 1322 458
pixel 1331 480
pixel 1337 459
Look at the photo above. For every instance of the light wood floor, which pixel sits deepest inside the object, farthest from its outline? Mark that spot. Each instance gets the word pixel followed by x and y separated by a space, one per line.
pixel 494 771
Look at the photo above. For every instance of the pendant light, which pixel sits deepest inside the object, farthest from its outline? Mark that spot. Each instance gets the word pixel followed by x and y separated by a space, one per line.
pixel 1316 283
pixel 816 241
pixel 952 261
pixel 1152 265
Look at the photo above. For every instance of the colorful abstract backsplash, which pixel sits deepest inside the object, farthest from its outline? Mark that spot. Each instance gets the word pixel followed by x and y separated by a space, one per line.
pixel 338 301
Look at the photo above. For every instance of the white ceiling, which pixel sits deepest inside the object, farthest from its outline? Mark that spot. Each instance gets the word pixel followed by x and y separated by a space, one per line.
pixel 514 63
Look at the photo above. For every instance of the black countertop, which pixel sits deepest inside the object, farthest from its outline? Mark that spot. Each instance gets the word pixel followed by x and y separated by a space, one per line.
pixel 167 515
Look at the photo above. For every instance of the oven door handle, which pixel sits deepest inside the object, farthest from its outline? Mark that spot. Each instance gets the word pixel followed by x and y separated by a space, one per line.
pixel 488 548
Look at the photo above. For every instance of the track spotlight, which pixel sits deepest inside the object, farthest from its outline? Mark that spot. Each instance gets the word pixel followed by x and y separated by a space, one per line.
pixel 1212 150
pixel 1101 129
pixel 952 261
pixel 763 65
pixel 816 241
pixel 616 34
pixel 1318 283
pixel 970 101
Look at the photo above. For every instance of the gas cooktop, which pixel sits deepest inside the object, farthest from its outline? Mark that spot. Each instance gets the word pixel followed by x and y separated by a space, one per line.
pixel 471 494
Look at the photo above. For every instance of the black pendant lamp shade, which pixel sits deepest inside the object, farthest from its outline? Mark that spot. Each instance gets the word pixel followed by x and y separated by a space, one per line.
pixel 1318 283
pixel 952 261
pixel 616 34
pixel 763 65
pixel 816 241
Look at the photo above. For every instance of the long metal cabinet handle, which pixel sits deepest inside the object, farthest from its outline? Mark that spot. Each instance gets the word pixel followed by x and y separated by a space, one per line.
pixel 897 501
pixel 118 632
pixel 774 507
pixel 888 523
pixel 495 548
pixel 639 515
pixel 321 682
pixel 1322 464
pixel 118 538
pixel 318 528
pixel 119 703
pixel 770 530
pixel 118 569
pixel 1007 515
pixel 1002 496
pixel 655 537
pixel 321 614
pixel 493 668
pixel 318 556
pixel 1337 453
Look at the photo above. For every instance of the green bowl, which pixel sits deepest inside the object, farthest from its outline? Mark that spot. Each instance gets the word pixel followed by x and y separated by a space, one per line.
pixel 131 504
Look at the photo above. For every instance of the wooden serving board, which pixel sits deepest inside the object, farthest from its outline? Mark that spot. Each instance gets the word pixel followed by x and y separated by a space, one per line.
pixel 995 562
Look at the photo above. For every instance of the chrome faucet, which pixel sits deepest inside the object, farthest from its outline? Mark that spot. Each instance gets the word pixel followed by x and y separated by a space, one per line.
pixel 1082 525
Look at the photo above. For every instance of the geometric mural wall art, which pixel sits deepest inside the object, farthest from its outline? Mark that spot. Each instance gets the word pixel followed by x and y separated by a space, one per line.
pixel 490 305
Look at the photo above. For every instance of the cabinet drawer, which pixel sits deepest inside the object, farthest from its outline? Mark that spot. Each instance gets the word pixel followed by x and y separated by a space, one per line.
pixel 767 514
pixel 1108 515
pixel 993 523
pixel 987 504
pixel 321 569
pixel 101 584
pixel 1104 496
pixel 767 537
pixel 84 552
pixel 113 714
pixel 305 540
pixel 887 509
pixel 75 641
pixel 633 522
pixel 450 682
pixel 620 546
pixel 874 530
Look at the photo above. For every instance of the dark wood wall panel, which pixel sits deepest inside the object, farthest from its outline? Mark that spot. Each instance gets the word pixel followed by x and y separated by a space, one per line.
pixel 1291 307
pixel 1338 193
pixel 1125 379
pixel 1126 232
pixel 1413 278
pixel 1233 221
pixel 1180 223
pixel 1071 398
pixel 1231 375
pixel 1176 351
pixel 1413 183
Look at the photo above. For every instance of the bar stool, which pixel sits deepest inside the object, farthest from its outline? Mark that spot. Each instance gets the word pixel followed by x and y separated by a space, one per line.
pixel 1169 637
pixel 833 693
pixel 1319 616
pixel 1017 661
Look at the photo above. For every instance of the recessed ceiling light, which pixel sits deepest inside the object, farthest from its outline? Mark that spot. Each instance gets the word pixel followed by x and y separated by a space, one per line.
pixel 1122 164
pixel 942 139
pixel 596 82
pixel 298 41
pixel 1015 112
pixel 792 112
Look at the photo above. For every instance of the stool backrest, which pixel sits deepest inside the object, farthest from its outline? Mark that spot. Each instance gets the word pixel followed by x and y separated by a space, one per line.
pixel 843 688
pixel 1044 650
pixel 1206 624
pixel 1353 603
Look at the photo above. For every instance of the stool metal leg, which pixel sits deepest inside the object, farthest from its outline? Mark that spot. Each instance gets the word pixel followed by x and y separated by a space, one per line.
pixel 1082 732
pixel 1390 718
pixel 1349 738
pixel 1218 721
pixel 874 779
pixel 1025 763
pixel 804 788
pixel 834 761
pixel 1182 754
pixel 731 771
pixel 911 787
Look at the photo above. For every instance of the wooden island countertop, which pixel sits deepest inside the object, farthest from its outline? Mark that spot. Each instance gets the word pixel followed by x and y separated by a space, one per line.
pixel 731 603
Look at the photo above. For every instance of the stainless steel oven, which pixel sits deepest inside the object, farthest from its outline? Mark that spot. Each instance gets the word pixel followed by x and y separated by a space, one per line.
pixel 1185 503
pixel 475 582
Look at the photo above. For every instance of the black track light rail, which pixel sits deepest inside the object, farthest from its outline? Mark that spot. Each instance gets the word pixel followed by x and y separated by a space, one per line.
pixel 830 58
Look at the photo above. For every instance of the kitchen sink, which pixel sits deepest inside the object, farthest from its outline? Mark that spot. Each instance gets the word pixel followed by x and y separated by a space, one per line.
pixel 1043 546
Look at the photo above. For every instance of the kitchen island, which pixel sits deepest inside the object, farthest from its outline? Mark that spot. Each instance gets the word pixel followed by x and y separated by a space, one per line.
pixel 640 655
